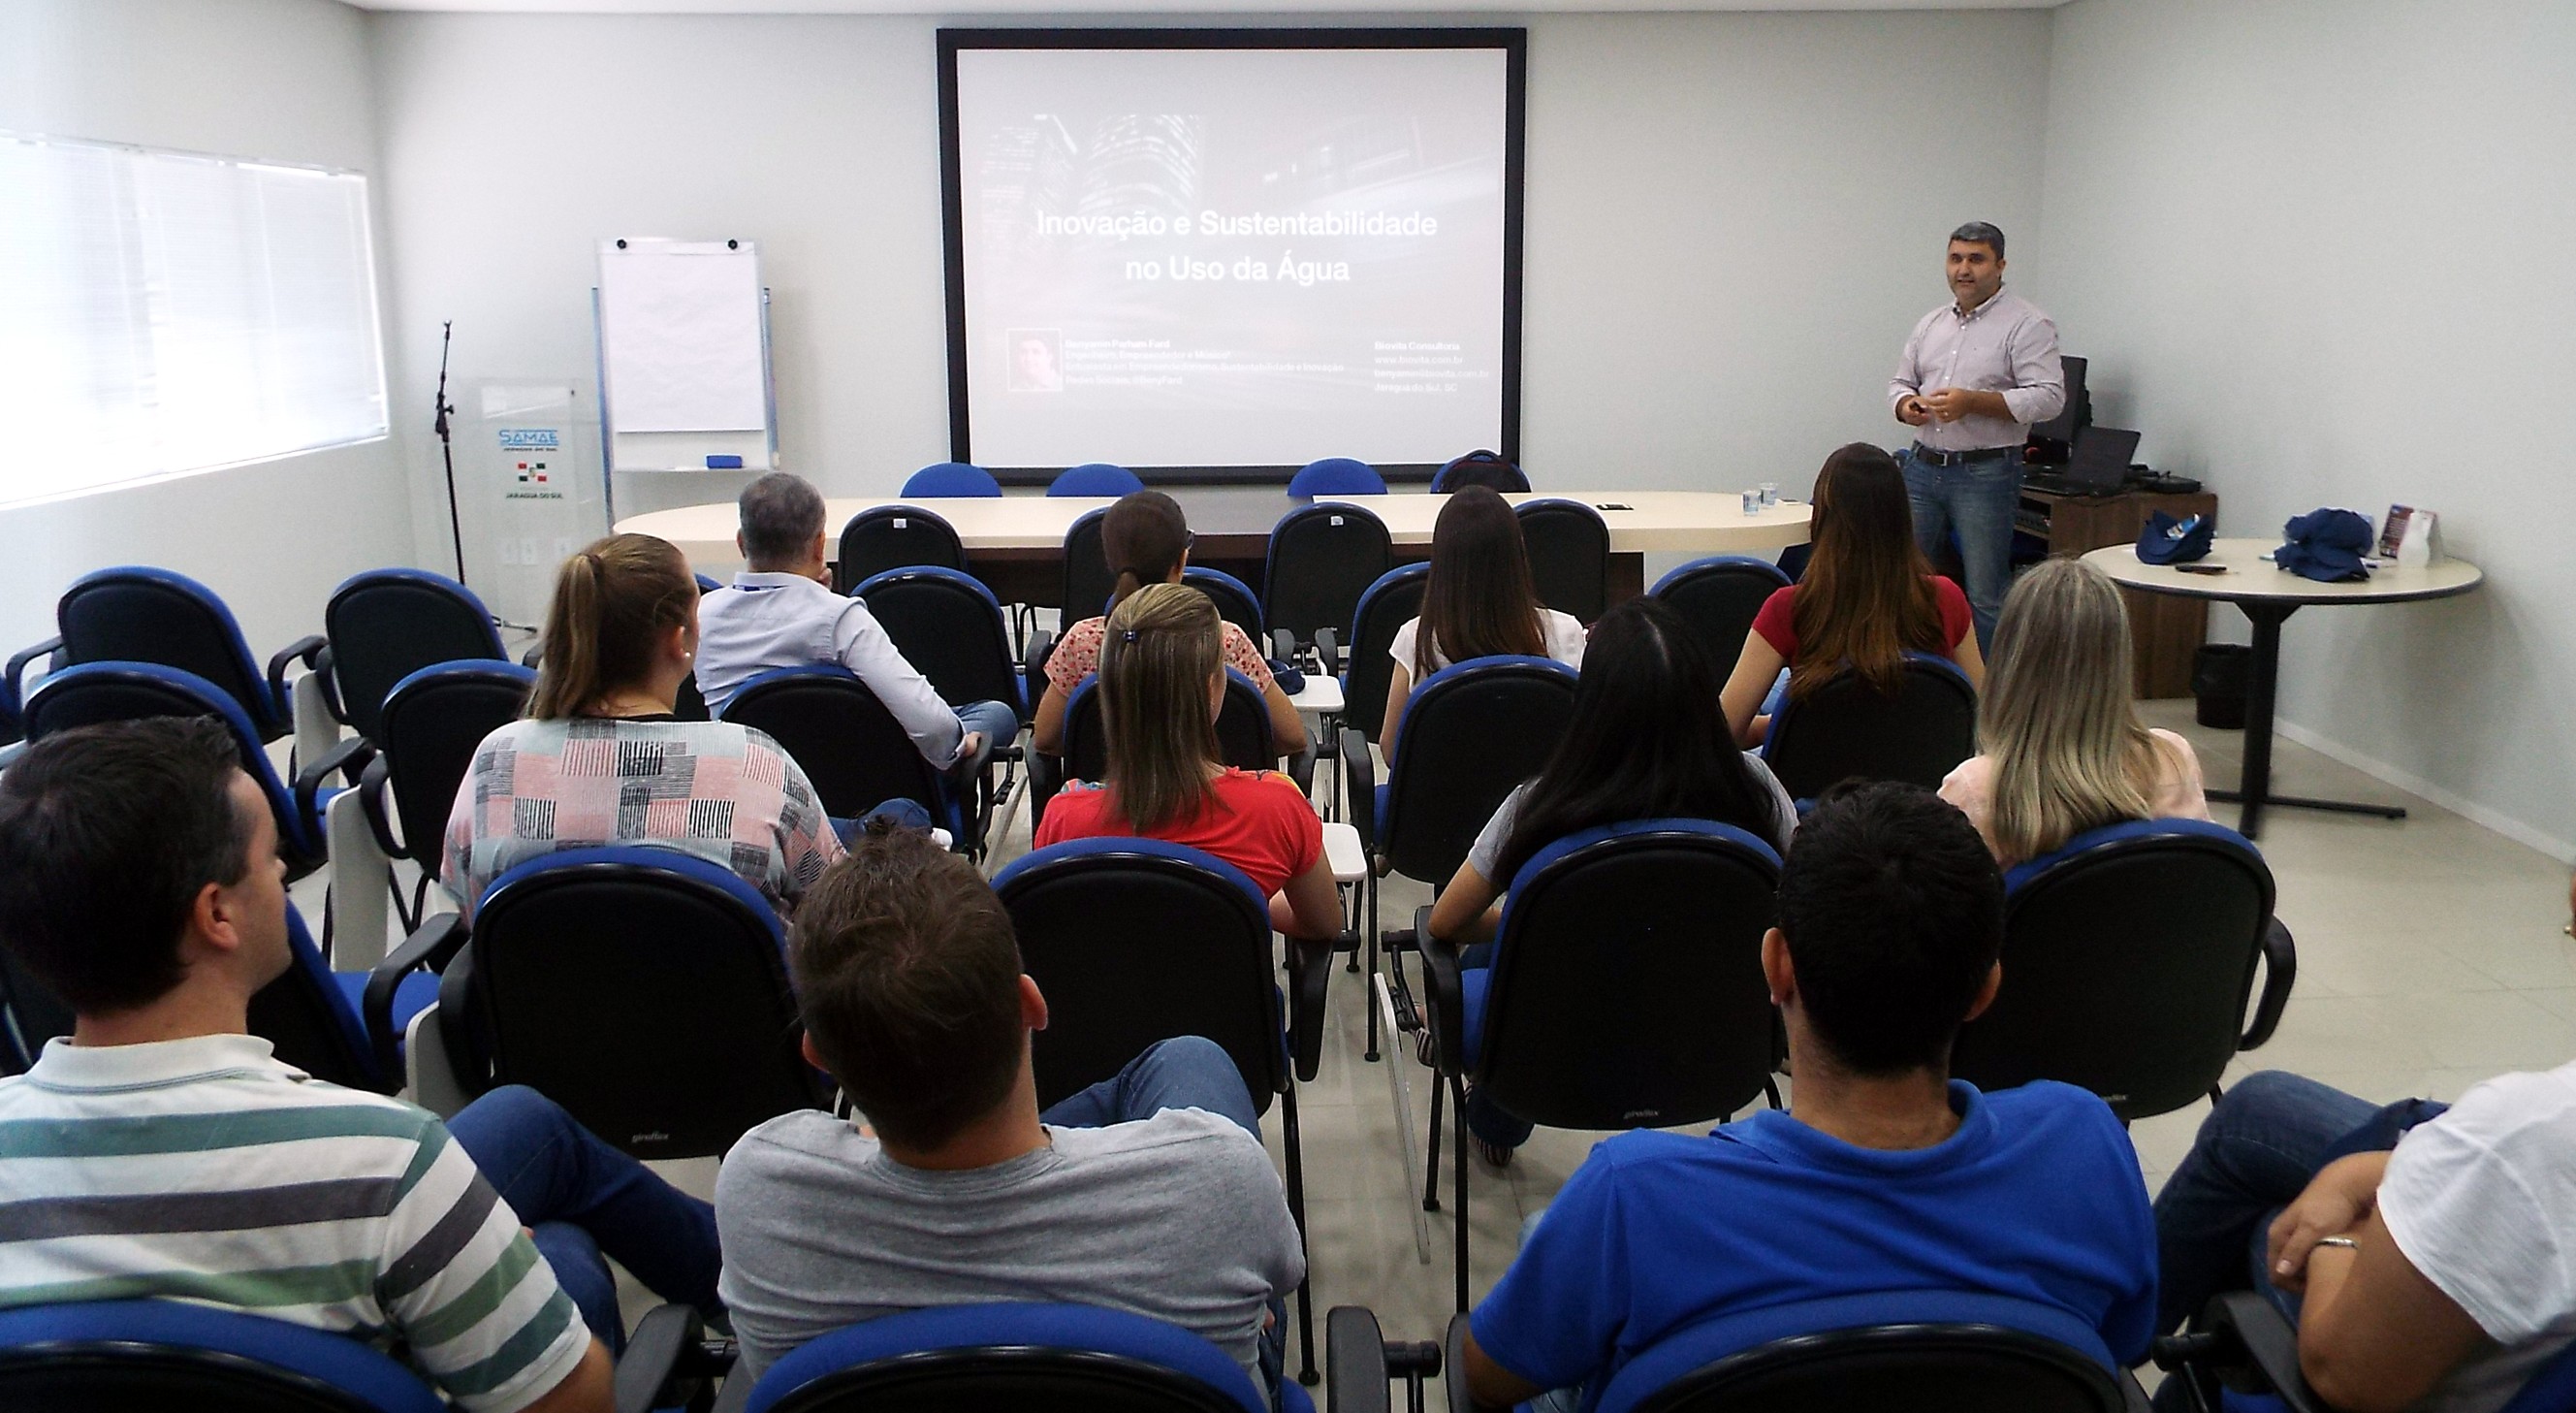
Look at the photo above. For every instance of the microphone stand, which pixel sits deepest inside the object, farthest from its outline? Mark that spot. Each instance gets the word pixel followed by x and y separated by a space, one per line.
pixel 447 447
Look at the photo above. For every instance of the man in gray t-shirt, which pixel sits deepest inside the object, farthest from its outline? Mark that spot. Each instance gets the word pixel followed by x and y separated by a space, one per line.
pixel 1150 1192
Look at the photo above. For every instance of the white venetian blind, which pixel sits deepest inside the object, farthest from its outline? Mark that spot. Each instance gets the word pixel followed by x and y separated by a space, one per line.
pixel 163 312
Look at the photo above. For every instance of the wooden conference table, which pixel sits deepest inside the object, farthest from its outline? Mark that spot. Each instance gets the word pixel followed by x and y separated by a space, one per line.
pixel 2268 595
pixel 1015 544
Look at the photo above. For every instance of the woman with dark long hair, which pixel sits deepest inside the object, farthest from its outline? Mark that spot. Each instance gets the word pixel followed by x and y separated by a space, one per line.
pixel 1642 745
pixel 1867 599
pixel 1162 680
pixel 1480 602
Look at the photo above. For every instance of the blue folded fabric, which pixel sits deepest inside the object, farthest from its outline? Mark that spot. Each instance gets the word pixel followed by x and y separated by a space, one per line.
pixel 1290 680
pixel 2325 545
pixel 2170 541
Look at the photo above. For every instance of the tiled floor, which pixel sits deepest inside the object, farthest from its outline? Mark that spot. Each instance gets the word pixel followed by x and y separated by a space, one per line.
pixel 2430 956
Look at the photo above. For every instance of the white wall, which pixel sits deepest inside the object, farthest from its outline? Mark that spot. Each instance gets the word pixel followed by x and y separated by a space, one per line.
pixel 2321 256
pixel 1732 219
pixel 281 79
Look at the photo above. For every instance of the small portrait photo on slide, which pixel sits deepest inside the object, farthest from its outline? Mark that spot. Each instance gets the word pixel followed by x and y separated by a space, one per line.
pixel 1037 360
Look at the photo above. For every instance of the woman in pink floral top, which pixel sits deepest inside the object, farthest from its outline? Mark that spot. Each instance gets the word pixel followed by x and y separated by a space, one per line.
pixel 601 759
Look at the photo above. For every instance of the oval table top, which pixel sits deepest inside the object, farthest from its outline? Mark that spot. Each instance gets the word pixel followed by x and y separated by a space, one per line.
pixel 2250 577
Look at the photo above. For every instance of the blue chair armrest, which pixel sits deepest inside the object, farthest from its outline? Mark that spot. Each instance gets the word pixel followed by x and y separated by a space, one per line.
pixel 9 694
pixel 1359 782
pixel 433 946
pixel 2280 972
pixel 307 650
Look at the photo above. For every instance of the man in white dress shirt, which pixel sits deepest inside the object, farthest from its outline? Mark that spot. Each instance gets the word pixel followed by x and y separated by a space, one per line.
pixel 781 612
pixel 1976 373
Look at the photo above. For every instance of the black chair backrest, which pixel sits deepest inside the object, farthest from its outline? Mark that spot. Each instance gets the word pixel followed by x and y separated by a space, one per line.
pixel 1233 599
pixel 1007 1376
pixel 2127 963
pixel 1088 579
pixel 884 537
pixel 688 1032
pixel 107 1356
pixel 949 627
pixel 1935 1368
pixel 431 724
pixel 1471 733
pixel 1627 988
pixel 386 625
pixel 1479 468
pixel 850 747
pixel 1243 738
pixel 1848 729
pixel 153 615
pixel 1135 941
pixel 691 704
pixel 1368 670
pixel 1569 555
pixel 1718 597
pixel 1322 558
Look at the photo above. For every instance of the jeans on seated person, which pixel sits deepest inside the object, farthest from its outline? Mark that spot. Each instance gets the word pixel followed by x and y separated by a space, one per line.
pixel 584 1200
pixel 2261 1145
pixel 1186 1072
pixel 999 723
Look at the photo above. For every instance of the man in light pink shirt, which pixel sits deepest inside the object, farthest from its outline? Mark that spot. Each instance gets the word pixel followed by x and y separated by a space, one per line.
pixel 1976 373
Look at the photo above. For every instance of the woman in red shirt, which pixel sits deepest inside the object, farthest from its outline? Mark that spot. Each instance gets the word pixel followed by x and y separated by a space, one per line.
pixel 1162 680
pixel 1868 598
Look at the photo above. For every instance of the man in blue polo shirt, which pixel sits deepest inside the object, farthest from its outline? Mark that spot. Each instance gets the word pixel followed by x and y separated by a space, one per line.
pixel 1884 1175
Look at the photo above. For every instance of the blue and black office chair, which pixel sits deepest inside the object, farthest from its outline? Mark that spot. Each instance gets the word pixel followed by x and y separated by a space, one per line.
pixel 1337 476
pixel 1367 670
pixel 688 1035
pixel 1088 579
pixel 1322 559
pixel 1243 739
pixel 431 724
pixel 1626 989
pixel 1848 729
pixel 2129 956
pixel 2245 1342
pixel 1718 597
pixel 1136 941
pixel 850 747
pixel 1569 555
pixel 1095 478
pixel 1235 602
pixel 1068 1357
pixel 386 624
pixel 951 480
pixel 949 627
pixel 138 614
pixel 1471 733
pixel 1479 468
pixel 884 537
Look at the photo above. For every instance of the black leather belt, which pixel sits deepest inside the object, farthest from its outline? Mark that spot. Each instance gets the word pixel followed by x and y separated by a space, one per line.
pixel 1964 458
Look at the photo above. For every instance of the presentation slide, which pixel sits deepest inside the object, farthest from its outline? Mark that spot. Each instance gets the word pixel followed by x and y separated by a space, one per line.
pixel 1215 258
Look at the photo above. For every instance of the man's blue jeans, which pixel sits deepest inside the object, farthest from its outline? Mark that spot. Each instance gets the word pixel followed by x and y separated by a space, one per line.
pixel 2259 1148
pixel 1976 501
pixel 1000 724
pixel 585 1200
pixel 1182 1073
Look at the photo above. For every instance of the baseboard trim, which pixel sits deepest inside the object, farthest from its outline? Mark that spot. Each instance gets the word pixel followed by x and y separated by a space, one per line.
pixel 2517 830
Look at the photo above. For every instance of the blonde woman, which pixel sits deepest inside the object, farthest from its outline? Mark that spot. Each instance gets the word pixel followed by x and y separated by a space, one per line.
pixel 2060 747
pixel 1162 680
pixel 601 758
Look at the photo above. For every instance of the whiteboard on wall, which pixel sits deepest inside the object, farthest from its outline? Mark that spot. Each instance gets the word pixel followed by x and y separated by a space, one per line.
pixel 684 355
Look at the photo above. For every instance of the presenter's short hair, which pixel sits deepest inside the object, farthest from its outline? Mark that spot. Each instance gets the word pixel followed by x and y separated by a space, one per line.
pixel 1983 232
pixel 781 515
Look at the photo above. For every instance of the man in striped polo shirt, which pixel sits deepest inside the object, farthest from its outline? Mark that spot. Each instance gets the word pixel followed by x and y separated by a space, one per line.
pixel 161 1151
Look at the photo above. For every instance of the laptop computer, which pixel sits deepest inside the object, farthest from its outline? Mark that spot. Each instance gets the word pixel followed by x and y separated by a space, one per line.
pixel 2099 465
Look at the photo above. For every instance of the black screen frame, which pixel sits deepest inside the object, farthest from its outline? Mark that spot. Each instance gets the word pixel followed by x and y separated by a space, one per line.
pixel 1514 42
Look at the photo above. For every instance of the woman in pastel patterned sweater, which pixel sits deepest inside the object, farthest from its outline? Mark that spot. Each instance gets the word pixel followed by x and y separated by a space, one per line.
pixel 601 758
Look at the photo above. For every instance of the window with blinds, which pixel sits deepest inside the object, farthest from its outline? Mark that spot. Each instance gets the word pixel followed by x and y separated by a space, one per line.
pixel 164 313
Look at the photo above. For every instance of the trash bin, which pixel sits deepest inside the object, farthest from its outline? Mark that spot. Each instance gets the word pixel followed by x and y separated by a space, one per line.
pixel 2218 673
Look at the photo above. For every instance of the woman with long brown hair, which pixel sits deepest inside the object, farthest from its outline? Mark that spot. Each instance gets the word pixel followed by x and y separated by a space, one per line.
pixel 1867 599
pixel 602 758
pixel 1480 602
pixel 1162 679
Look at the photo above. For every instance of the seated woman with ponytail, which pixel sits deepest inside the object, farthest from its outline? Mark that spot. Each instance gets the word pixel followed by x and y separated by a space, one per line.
pixel 1161 682
pixel 600 758
pixel 1479 602
pixel 1147 541
pixel 1868 598
pixel 2060 746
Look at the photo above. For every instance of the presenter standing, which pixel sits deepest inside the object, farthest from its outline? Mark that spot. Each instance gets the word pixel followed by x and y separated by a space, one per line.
pixel 1976 374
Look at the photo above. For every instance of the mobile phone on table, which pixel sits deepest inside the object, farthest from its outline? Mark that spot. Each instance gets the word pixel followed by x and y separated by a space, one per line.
pixel 2202 568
